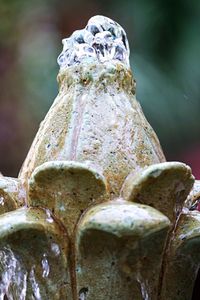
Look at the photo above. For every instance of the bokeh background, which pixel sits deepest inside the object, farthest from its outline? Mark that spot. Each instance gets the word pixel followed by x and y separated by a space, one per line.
pixel 164 38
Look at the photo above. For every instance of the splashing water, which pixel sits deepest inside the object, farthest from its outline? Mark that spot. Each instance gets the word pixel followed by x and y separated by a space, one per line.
pixel 15 278
pixel 143 287
pixel 2 201
pixel 13 283
pixel 83 294
pixel 45 266
pixel 102 40
pixel 34 284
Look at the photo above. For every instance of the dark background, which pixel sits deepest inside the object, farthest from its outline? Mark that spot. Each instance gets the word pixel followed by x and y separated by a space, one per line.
pixel 164 38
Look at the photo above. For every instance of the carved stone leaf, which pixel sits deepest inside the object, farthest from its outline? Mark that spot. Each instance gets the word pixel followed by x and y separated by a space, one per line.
pixel 12 194
pixel 67 189
pixel 182 260
pixel 33 258
pixel 164 186
pixel 118 249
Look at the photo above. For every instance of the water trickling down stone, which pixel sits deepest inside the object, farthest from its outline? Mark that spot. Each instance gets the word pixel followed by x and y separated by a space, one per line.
pixel 45 266
pixel 16 279
pixel 102 40
pixel 13 283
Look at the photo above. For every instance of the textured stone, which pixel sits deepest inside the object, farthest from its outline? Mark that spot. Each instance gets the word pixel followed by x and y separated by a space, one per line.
pixel 97 212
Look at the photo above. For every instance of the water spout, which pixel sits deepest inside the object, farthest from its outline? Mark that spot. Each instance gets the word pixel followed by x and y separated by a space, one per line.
pixel 101 40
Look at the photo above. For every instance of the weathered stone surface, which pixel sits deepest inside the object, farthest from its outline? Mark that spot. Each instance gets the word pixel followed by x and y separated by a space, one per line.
pixel 96 119
pixel 104 216
pixel 164 186
pixel 182 260
pixel 33 258
pixel 119 247
pixel 67 189
pixel 12 194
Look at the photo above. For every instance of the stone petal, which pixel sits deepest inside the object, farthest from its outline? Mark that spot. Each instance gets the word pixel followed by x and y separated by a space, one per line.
pixel 12 194
pixel 182 262
pixel 33 257
pixel 194 195
pixel 119 247
pixel 163 186
pixel 67 189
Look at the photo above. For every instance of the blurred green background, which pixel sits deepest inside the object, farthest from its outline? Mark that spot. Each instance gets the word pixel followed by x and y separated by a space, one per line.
pixel 164 38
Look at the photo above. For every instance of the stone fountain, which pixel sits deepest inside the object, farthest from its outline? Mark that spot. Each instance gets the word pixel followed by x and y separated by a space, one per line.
pixel 96 212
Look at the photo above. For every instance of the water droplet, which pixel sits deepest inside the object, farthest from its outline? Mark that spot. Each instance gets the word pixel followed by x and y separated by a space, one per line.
pixel 2 201
pixel 83 293
pixel 45 266
pixel 49 218
pixel 55 249
pixel 93 29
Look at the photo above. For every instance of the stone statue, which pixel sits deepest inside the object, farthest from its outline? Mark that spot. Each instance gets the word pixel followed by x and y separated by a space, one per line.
pixel 96 212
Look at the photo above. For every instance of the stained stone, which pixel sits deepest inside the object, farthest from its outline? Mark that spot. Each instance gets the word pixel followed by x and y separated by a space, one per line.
pixel 96 211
